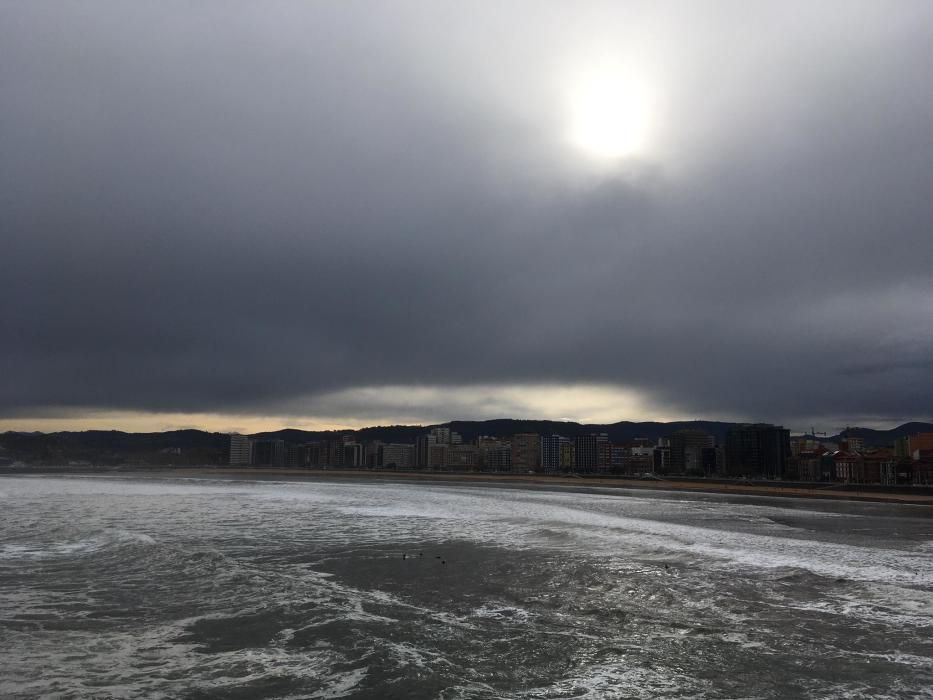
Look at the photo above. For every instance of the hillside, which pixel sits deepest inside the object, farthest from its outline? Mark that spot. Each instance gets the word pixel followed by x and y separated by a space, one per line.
pixel 196 447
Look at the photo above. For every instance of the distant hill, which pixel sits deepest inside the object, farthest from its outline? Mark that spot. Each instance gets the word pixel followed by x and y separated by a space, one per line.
pixel 622 431
pixel 470 430
pixel 884 437
pixel 197 447
pixel 111 447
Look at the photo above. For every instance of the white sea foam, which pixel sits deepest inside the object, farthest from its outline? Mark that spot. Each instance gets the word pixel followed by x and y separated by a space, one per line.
pixel 87 545
pixel 503 613
pixel 149 663
pixel 408 655
pixel 594 527
pixel 897 606
pixel 741 639
pixel 340 684
pixel 614 681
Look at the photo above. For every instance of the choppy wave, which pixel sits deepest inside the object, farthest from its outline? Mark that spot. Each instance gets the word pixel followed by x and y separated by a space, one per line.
pixel 87 545
pixel 149 588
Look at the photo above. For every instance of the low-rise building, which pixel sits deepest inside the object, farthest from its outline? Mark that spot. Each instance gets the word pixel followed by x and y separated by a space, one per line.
pixel 800 444
pixel 809 466
pixel 920 441
pixel 396 456
pixel 922 468
pixel 848 467
pixel 638 463
pixel 462 457
pixel 879 466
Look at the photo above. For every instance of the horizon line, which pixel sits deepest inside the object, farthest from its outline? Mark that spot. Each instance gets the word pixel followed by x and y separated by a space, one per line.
pixel 444 423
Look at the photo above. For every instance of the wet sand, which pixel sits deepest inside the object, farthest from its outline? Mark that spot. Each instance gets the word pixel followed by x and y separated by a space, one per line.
pixel 829 491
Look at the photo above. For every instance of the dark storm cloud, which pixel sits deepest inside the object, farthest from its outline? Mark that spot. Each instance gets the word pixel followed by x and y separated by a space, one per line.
pixel 224 208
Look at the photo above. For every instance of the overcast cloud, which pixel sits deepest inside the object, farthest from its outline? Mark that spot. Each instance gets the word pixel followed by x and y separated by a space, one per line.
pixel 370 211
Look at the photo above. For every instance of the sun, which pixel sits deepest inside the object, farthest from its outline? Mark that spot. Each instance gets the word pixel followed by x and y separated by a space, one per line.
pixel 610 116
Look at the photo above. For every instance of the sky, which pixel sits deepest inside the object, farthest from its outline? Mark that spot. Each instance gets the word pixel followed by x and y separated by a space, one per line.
pixel 247 216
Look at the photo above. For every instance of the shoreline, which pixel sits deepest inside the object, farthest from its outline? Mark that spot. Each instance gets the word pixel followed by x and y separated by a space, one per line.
pixel 866 495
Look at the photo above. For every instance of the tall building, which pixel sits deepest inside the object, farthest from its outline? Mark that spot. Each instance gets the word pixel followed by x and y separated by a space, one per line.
pixel 758 450
pixel 317 454
pixel 710 461
pixel 686 450
pixel 499 459
pixel 340 455
pixel 526 452
pixel 353 454
pixel 441 435
pixel 294 456
pixel 550 452
pixel 592 452
pixel 423 447
pixel 568 456
pixel 603 453
pixel 662 456
pixel 437 456
pixel 372 451
pixel 240 453
pixel 619 457
pixel 269 453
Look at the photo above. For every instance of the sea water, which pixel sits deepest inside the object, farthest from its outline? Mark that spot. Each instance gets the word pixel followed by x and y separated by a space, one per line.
pixel 166 587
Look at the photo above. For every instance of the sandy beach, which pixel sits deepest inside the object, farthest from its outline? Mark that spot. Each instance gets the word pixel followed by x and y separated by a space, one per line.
pixel 829 491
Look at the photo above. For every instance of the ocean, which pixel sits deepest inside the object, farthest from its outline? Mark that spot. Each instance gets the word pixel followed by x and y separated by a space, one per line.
pixel 164 587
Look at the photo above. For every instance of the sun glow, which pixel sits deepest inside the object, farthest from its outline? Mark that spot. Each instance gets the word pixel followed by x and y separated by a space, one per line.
pixel 610 115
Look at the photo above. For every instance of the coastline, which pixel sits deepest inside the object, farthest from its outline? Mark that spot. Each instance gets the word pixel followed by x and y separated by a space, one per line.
pixel 866 495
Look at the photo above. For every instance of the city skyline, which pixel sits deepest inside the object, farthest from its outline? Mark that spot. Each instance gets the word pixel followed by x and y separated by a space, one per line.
pixel 742 452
